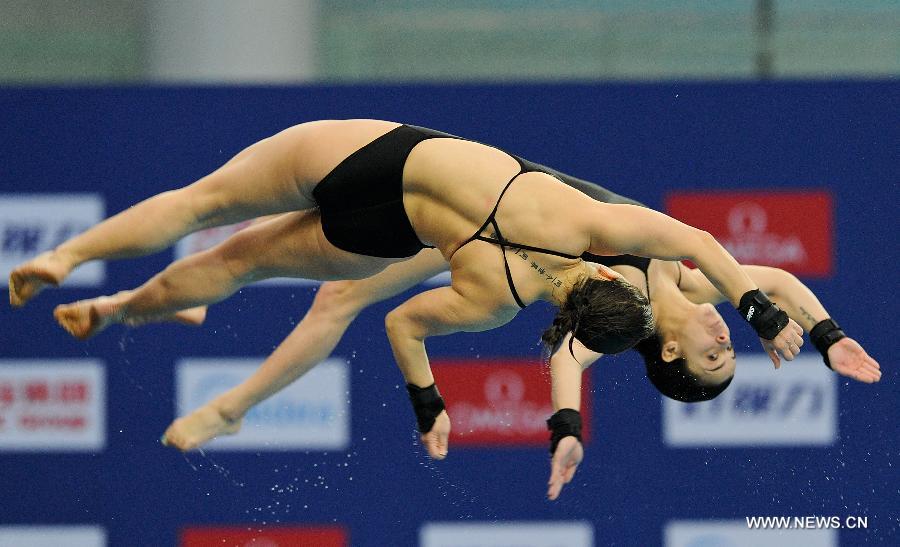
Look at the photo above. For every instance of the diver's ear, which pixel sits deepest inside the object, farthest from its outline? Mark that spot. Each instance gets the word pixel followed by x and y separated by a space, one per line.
pixel 604 272
pixel 670 351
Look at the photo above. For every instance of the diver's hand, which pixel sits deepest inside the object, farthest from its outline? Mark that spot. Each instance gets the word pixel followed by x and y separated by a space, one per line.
pixel 436 440
pixel 787 343
pixel 569 453
pixel 849 359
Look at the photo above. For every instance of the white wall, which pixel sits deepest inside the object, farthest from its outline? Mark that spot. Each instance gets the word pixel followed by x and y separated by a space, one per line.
pixel 259 41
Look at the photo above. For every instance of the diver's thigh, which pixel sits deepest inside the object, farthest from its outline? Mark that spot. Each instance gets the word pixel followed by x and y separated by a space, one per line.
pixel 293 245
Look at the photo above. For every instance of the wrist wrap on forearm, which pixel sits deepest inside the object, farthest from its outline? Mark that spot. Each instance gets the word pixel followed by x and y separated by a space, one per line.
pixel 563 423
pixel 824 335
pixel 427 404
pixel 764 316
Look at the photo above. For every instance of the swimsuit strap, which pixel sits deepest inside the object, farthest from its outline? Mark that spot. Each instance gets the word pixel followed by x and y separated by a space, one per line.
pixel 500 239
pixel 503 243
pixel 509 279
pixel 490 217
pixel 491 220
pixel 513 245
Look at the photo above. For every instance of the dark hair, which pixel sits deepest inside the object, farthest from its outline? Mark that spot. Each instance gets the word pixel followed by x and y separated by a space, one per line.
pixel 607 316
pixel 673 379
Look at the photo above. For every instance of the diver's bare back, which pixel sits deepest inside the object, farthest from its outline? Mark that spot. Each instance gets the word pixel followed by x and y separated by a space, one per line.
pixel 450 185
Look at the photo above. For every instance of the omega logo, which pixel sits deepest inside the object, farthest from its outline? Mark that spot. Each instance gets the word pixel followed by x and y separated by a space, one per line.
pixel 747 217
pixel 504 386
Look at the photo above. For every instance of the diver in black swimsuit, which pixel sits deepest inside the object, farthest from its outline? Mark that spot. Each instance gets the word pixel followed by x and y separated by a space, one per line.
pixel 351 206
pixel 411 188
pixel 361 210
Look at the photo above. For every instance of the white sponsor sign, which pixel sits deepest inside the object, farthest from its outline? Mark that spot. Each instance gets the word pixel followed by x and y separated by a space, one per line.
pixel 31 224
pixel 700 533
pixel 206 239
pixel 313 413
pixel 795 405
pixel 52 536
pixel 507 534
pixel 52 405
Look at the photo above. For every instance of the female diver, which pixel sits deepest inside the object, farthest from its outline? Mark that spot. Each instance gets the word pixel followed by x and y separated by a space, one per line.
pixel 361 195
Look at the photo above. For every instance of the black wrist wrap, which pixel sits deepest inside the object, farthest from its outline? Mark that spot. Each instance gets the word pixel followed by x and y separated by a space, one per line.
pixel 766 318
pixel 427 404
pixel 823 335
pixel 563 423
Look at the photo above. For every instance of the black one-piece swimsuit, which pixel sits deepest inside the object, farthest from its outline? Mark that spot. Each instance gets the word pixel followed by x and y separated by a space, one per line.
pixel 361 200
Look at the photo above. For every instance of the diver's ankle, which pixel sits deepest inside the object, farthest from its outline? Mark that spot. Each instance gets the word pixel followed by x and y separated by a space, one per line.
pixel 229 409
pixel 65 257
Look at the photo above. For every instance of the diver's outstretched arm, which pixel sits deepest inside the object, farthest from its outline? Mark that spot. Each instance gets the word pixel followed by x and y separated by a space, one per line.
pixel 628 229
pixel 566 370
pixel 845 356
pixel 565 377
pixel 468 305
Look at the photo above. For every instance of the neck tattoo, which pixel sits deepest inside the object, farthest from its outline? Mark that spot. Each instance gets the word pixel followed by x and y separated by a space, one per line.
pixel 538 269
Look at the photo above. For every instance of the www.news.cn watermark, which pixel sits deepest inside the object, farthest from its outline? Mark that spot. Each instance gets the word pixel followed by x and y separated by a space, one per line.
pixel 807 523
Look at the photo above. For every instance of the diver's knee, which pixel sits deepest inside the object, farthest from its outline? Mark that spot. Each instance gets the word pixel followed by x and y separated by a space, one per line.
pixel 238 266
pixel 209 202
pixel 339 298
pixel 395 323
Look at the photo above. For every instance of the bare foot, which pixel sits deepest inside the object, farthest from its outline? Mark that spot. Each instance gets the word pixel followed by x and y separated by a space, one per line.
pixel 191 316
pixel 198 427
pixel 85 318
pixel 27 280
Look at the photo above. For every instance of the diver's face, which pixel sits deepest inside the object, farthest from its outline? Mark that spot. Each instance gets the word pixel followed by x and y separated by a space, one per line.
pixel 705 344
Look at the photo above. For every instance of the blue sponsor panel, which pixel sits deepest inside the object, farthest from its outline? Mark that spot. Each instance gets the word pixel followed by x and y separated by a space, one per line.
pixel 798 441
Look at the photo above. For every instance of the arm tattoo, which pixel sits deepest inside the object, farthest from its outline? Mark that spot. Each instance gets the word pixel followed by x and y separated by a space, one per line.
pixel 807 315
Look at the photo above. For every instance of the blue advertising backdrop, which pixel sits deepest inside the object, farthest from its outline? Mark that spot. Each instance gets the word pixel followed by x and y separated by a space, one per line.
pixel 640 140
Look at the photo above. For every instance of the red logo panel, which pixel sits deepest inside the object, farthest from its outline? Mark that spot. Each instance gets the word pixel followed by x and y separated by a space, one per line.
pixel 502 402
pixel 251 536
pixel 789 230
